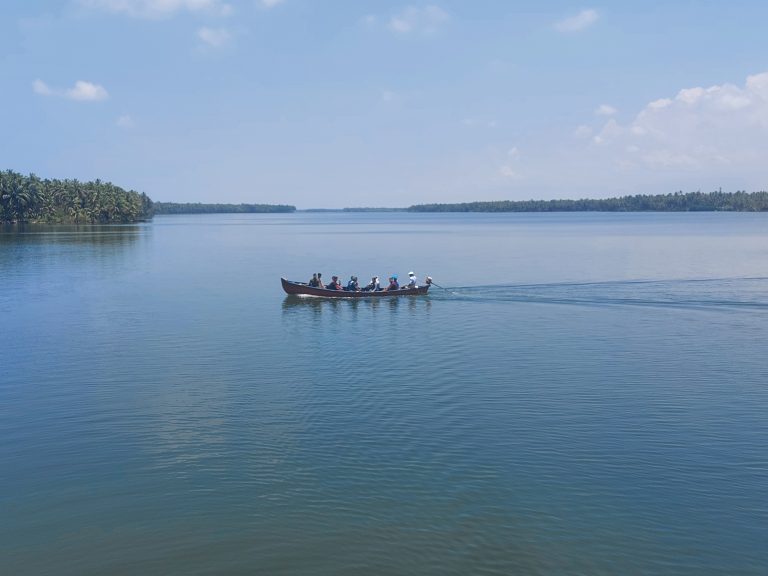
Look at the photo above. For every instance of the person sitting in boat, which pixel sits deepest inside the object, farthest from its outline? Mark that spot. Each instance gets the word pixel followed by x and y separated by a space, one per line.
pixel 320 280
pixel 393 285
pixel 314 283
pixel 412 281
pixel 352 285
pixel 373 285
pixel 335 284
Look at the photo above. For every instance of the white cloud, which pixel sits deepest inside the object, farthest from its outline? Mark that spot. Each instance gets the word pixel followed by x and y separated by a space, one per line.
pixel 580 21
pixel 605 110
pixel 41 88
pixel 660 103
pixel 86 91
pixel 125 121
pixel 699 129
pixel 82 91
pixel 413 19
pixel 214 37
pixel 158 8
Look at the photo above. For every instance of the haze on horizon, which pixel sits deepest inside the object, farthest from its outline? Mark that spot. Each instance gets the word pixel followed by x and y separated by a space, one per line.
pixel 372 103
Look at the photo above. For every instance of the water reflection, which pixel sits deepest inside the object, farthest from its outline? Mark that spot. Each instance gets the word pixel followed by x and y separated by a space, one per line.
pixel 96 234
pixel 293 302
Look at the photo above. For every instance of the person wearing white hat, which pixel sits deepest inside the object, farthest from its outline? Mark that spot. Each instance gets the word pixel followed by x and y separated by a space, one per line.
pixel 412 281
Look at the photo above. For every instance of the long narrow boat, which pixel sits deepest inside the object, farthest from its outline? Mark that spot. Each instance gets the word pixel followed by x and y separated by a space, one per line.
pixel 303 289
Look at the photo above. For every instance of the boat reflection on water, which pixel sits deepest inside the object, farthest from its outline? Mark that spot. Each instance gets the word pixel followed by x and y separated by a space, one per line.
pixel 319 305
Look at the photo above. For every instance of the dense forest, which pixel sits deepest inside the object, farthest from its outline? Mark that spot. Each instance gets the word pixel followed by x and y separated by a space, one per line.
pixel 196 208
pixel 677 202
pixel 32 199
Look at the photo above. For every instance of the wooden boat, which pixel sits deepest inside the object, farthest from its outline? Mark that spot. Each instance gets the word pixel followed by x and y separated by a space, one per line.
pixel 303 289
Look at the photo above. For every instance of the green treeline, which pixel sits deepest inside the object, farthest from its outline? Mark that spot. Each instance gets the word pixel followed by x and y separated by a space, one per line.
pixel 32 199
pixel 197 208
pixel 678 202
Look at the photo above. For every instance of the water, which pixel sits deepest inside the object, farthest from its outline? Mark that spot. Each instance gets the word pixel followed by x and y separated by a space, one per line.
pixel 588 397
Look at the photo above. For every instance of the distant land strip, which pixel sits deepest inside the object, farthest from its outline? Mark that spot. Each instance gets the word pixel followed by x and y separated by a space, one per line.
pixel 199 208
pixel 677 202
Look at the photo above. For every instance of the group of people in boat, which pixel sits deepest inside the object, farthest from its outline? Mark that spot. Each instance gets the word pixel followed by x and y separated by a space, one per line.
pixel 373 286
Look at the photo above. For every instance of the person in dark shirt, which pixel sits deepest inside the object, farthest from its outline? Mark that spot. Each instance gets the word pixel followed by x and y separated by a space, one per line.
pixel 352 285
pixel 335 284
pixel 373 285
pixel 314 283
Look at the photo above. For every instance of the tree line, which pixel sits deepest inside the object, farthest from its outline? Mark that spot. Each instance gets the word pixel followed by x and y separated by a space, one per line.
pixel 33 199
pixel 717 201
pixel 198 208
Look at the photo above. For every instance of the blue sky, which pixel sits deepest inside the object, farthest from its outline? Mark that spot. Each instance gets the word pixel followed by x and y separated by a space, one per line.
pixel 371 103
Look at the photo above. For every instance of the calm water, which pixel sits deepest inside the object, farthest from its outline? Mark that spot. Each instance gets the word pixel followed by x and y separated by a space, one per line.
pixel 588 397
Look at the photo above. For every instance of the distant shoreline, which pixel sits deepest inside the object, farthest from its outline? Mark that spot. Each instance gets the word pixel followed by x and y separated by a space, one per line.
pixel 677 202
pixel 203 208
pixel 31 199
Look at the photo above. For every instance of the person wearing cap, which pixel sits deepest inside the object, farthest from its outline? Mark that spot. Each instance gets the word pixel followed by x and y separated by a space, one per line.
pixel 393 285
pixel 412 281
pixel 352 285
pixel 335 284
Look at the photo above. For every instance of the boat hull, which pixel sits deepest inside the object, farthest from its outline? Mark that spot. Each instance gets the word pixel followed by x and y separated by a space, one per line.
pixel 302 289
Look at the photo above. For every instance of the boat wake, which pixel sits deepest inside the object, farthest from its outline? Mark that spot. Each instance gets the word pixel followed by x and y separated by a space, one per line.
pixel 707 293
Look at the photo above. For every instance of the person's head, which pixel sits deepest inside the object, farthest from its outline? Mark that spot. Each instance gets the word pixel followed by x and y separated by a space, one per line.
pixel 354 278
pixel 314 275
pixel 411 274
pixel 319 275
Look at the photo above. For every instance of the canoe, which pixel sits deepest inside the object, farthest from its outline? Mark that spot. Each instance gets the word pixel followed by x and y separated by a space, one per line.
pixel 303 289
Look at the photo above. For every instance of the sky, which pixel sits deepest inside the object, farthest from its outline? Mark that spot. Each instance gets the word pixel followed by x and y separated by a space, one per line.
pixel 370 103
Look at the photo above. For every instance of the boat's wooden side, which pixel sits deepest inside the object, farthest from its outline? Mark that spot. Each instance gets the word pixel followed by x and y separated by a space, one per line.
pixel 303 289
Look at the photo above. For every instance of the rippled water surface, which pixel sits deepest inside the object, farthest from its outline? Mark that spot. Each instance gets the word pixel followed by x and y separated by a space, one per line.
pixel 587 395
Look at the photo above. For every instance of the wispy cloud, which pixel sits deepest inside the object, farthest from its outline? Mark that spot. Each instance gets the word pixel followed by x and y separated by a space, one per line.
pixel 125 121
pixel 509 169
pixel 270 3
pixel 473 122
pixel 214 37
pixel 583 131
pixel 40 87
pixel 413 19
pixel 82 91
pixel 389 96
pixel 605 110
pixel 580 21
pixel 158 8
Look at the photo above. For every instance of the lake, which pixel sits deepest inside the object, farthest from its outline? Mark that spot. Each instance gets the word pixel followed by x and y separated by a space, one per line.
pixel 587 394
